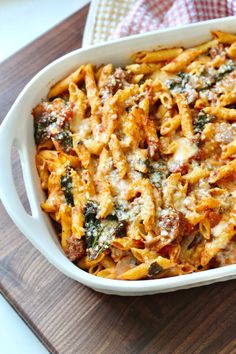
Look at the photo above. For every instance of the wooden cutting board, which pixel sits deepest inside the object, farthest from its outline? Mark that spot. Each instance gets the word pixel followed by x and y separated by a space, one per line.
pixel 68 317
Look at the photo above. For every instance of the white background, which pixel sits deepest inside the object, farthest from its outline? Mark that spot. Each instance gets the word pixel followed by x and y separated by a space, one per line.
pixel 21 21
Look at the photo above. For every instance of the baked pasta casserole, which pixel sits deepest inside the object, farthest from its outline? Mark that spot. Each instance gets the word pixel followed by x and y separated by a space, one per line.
pixel 138 163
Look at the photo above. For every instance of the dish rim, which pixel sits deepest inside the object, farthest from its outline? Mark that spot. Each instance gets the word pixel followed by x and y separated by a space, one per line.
pixel 68 268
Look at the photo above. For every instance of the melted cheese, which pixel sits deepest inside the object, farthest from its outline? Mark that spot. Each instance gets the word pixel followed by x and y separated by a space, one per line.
pixel 119 186
pixel 85 128
pixel 219 229
pixel 184 150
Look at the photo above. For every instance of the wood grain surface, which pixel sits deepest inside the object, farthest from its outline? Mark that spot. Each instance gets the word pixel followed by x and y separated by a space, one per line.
pixel 68 317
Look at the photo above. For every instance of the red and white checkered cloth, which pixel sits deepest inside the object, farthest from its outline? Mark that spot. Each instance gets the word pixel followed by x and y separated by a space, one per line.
pixel 149 15
pixel 109 19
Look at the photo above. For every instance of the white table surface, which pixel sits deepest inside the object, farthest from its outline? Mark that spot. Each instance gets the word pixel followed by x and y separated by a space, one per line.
pixel 15 335
pixel 22 21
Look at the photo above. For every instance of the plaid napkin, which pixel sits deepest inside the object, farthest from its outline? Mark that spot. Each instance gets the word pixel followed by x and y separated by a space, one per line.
pixel 109 19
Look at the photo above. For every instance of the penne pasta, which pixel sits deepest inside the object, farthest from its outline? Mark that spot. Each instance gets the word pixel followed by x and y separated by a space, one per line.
pixel 170 125
pixel 61 86
pixel 156 56
pixel 222 113
pixel 182 60
pixel 138 163
pixel 225 38
pixel 118 156
pixel 229 150
pixel 232 50
pixel 223 171
pixel 91 88
pixel 228 98
pixel 185 116
pixel 79 101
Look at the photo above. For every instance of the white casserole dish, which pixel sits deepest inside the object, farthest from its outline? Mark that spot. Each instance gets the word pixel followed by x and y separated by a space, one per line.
pixel 17 129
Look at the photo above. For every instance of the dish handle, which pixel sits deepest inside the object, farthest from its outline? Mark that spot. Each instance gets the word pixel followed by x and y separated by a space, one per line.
pixel 10 134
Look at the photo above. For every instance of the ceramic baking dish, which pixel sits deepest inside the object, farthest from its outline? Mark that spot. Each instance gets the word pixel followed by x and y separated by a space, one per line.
pixel 17 129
